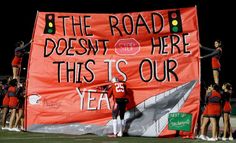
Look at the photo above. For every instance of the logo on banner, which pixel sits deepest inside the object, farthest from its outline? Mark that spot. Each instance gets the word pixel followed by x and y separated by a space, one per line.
pixel 49 24
pixel 127 46
pixel 34 99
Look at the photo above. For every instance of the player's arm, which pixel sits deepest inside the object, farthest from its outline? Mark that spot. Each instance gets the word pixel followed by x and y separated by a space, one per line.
pixel 109 91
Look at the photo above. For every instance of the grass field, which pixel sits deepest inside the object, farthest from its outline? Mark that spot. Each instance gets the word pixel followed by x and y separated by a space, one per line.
pixel 29 137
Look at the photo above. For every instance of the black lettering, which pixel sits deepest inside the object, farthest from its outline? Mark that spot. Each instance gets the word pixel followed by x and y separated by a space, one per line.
pixel 164 44
pixel 174 43
pixel 141 70
pixel 79 71
pixel 87 26
pixel 154 15
pixel 104 45
pixel 64 23
pixel 46 45
pixel 114 24
pixel 154 45
pixel 74 24
pixel 156 71
pixel 130 20
pixel 185 44
pixel 70 46
pixel 82 42
pixel 68 70
pixel 170 70
pixel 143 23
pixel 59 45
pixel 92 47
pixel 88 69
pixel 58 69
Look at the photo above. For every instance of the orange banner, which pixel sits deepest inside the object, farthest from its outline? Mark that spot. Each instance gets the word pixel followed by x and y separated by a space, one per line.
pixel 73 54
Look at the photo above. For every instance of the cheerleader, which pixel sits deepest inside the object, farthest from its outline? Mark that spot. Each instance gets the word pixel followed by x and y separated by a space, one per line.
pixel 227 88
pixel 215 60
pixel 17 60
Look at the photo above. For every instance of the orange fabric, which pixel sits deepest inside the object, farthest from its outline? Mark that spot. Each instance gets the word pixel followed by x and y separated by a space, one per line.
pixel 66 68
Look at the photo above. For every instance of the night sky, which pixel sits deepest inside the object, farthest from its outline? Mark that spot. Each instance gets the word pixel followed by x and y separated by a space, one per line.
pixel 215 22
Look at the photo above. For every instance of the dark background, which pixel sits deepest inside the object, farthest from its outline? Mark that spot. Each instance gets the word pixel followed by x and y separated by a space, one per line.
pixel 216 21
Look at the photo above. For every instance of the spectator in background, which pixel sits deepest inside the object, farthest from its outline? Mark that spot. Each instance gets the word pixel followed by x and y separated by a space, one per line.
pixel 17 60
pixel 227 93
pixel 215 60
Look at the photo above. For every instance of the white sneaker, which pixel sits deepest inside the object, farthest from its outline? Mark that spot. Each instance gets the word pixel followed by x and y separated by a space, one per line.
pixel 120 134
pixel 231 138
pixel 4 128
pixel 10 129
pixel 212 139
pixel 16 129
pixel 224 139
pixel 202 137
pixel 207 138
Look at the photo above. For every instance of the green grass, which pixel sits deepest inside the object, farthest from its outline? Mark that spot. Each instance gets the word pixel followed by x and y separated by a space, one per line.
pixel 29 137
